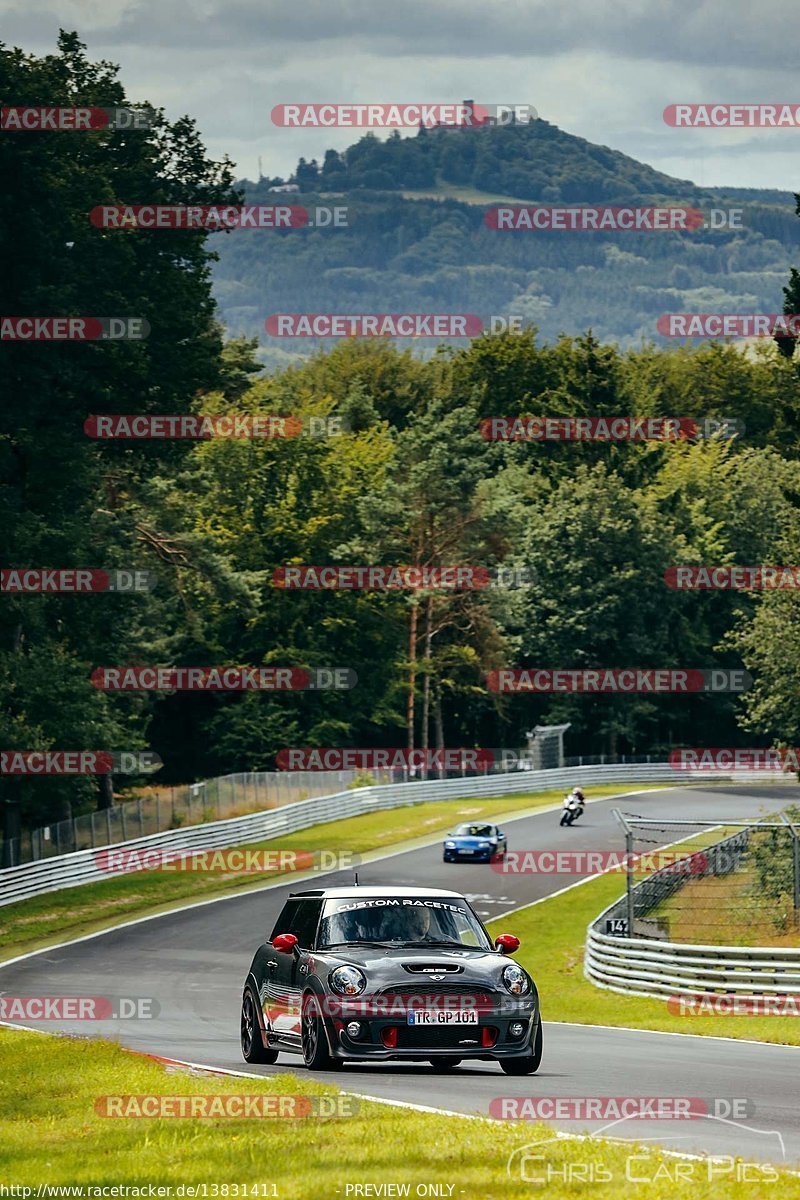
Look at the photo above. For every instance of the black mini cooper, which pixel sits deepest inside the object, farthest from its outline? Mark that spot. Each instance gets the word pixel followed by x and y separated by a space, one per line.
pixel 373 974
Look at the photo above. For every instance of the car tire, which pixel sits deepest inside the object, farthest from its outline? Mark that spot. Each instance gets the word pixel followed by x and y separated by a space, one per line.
pixel 445 1063
pixel 528 1064
pixel 314 1042
pixel 253 1049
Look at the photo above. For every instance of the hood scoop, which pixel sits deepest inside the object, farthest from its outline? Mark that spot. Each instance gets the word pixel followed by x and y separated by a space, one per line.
pixel 425 968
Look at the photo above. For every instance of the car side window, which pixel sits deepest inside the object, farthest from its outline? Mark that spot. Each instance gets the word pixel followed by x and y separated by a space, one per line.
pixel 299 917
pixel 306 921
pixel 285 922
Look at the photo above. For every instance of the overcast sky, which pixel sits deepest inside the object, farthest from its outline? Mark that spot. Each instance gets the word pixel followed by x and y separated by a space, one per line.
pixel 602 69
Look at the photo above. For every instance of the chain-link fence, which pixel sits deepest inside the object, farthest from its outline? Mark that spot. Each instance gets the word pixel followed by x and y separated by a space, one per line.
pixel 157 809
pixel 740 889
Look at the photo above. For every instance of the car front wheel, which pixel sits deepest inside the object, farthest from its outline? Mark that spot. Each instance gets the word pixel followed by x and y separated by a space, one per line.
pixel 253 1049
pixel 528 1063
pixel 312 1036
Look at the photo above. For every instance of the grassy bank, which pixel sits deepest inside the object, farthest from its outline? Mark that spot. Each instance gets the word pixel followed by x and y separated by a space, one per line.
pixel 52 1133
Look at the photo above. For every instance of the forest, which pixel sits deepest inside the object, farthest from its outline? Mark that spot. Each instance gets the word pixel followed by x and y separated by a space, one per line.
pixel 397 472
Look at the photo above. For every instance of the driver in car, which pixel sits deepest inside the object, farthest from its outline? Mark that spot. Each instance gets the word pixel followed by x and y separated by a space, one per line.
pixel 407 925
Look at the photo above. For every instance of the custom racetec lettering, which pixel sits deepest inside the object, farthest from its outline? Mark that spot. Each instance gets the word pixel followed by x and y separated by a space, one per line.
pixel 391 902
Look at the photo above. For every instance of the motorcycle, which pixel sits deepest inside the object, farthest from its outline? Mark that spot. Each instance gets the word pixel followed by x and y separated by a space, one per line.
pixel 572 809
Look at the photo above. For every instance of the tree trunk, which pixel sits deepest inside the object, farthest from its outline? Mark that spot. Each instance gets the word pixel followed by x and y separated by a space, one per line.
pixel 437 721
pixel 9 811
pixel 412 674
pixel 105 792
pixel 426 685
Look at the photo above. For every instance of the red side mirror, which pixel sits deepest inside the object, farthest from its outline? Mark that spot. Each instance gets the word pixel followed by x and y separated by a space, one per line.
pixel 284 942
pixel 506 943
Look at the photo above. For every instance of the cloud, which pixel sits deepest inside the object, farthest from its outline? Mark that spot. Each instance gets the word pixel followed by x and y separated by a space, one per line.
pixel 603 69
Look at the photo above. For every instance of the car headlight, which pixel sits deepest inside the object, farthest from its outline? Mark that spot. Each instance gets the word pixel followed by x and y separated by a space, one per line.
pixel 486 845
pixel 347 981
pixel 450 845
pixel 516 980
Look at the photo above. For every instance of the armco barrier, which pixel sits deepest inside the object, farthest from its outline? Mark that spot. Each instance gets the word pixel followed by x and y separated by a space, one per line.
pixel 71 870
pixel 660 969
pixel 650 967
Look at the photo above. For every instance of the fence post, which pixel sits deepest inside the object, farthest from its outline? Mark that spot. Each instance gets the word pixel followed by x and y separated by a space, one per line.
pixel 615 812
pixel 93 839
pixel 122 808
pixel 795 860
pixel 141 815
pixel 108 826
pixel 158 812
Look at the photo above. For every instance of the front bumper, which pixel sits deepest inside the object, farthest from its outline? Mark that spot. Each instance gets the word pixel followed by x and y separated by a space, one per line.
pixel 490 1038
pixel 457 854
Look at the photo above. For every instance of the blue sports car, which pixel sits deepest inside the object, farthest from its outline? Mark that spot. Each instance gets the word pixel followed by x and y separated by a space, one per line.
pixel 475 840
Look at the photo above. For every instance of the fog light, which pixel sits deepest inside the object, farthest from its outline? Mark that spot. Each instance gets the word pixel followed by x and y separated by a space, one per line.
pixel 353 1029
pixel 516 1030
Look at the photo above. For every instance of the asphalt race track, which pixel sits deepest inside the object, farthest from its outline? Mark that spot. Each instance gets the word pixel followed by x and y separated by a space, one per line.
pixel 193 964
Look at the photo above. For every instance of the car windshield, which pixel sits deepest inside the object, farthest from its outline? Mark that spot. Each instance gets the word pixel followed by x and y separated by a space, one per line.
pixel 475 831
pixel 400 920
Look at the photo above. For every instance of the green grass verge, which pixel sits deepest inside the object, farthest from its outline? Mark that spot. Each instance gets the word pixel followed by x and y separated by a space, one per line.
pixel 58 916
pixel 553 933
pixel 51 1133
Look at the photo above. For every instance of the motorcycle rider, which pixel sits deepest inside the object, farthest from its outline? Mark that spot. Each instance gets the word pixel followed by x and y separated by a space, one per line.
pixel 578 795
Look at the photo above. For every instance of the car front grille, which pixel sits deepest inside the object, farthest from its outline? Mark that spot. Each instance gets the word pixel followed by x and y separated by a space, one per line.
pixel 438 1037
pixel 432 990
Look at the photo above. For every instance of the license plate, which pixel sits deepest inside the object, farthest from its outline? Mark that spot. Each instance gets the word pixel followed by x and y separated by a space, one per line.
pixel 443 1016
pixel 462 850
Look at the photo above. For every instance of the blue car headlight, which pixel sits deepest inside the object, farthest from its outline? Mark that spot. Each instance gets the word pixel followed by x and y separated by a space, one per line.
pixel 449 845
pixel 347 981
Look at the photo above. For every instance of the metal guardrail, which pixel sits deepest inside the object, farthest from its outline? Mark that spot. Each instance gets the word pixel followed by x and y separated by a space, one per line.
pixel 645 966
pixel 82 866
